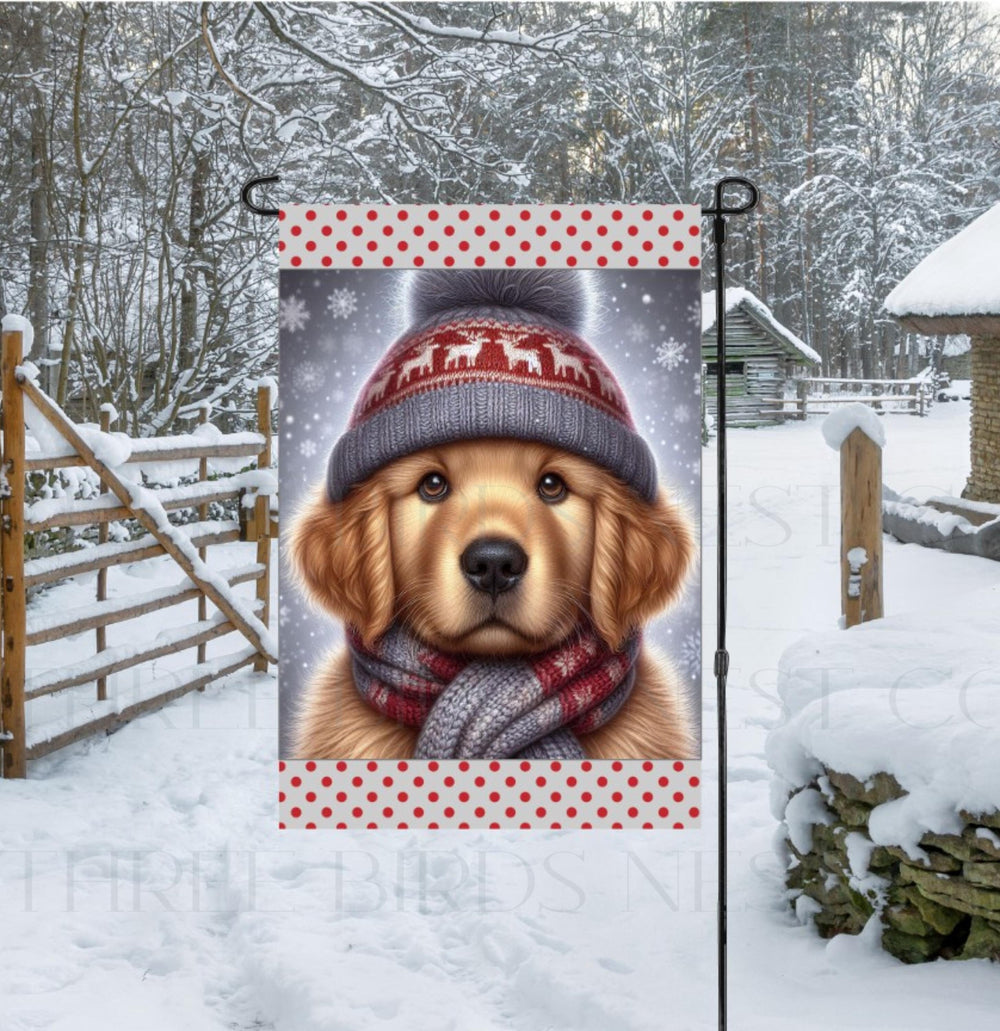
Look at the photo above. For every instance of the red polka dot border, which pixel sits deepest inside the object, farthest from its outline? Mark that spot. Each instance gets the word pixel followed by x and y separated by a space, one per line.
pixel 480 794
pixel 490 235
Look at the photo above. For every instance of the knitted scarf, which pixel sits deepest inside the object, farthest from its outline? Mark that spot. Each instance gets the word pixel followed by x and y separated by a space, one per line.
pixel 532 708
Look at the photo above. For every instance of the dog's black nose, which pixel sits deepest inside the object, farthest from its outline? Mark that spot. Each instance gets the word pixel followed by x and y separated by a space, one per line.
pixel 493 564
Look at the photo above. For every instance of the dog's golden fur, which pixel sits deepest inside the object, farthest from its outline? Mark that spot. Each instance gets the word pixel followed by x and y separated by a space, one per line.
pixel 384 553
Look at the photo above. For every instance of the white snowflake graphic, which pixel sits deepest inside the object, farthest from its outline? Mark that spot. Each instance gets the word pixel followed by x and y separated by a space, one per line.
pixel 307 448
pixel 342 303
pixel 670 354
pixel 307 377
pixel 292 314
pixel 694 312
pixel 691 654
pixel 284 615
pixel 638 332
pixel 682 413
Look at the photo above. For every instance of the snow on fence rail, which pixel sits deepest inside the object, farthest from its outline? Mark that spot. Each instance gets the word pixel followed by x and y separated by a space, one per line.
pixel 120 464
pixel 821 395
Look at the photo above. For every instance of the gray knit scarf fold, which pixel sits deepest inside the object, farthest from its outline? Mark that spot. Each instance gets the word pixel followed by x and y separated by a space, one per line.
pixel 531 708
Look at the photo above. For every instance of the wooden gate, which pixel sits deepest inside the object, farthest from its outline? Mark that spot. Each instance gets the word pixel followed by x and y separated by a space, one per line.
pixel 124 498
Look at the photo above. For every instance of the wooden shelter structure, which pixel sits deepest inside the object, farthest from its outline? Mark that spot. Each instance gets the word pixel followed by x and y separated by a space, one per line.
pixel 956 289
pixel 763 359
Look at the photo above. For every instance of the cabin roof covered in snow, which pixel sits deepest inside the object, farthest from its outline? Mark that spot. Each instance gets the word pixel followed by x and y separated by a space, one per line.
pixel 959 279
pixel 740 298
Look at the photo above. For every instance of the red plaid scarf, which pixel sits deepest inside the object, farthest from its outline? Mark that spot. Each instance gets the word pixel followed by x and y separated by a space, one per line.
pixel 490 708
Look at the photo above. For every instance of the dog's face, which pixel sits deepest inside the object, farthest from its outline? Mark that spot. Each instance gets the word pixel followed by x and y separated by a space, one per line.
pixel 492 547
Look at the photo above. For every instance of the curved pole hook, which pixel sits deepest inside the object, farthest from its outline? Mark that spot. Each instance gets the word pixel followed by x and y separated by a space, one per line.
pixel 753 196
pixel 252 184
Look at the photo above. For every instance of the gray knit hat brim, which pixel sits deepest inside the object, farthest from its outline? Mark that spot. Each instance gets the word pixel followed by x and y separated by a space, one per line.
pixel 490 410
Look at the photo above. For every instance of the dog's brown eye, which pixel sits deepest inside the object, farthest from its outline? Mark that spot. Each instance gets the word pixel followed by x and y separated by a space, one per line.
pixel 433 487
pixel 552 488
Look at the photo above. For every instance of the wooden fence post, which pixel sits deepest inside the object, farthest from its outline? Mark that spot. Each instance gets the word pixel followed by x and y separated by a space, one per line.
pixel 12 561
pixel 102 573
pixel 262 516
pixel 860 528
pixel 203 415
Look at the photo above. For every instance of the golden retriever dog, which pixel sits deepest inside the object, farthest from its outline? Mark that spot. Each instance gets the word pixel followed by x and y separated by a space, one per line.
pixel 574 541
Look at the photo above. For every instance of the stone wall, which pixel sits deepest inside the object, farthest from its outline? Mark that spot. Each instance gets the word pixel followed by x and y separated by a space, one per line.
pixel 984 479
pixel 945 906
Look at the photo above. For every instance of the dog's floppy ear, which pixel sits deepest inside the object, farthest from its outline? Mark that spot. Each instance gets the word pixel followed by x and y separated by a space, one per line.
pixel 642 553
pixel 341 556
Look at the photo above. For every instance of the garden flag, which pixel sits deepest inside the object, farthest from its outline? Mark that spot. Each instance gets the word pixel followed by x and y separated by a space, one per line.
pixel 490 427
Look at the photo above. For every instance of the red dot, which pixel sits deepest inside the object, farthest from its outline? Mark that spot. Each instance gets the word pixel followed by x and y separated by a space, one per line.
pixel 585 826
pixel 540 260
pixel 296 261
pixel 327 261
pixel 357 781
pixel 281 796
pixel 418 812
pixel 602 812
pixel 663 811
pixel 510 230
pixel 540 781
pixel 432 215
pixel 480 230
pixel 633 812
pixel 341 215
pixel 357 231
pixel 494 796
pixel 617 214
pixel 372 796
pixel 602 261
pixel 388 231
pixel 327 782
pixel 310 796
pixel 586 796
pixel 586 215
pixel 525 246
pixel 494 245
pixel 678 245
pixel 402 215
pixel 510 812
pixel 463 797
pixel 571 261
pixel 387 812
pixel 402 826
pixel 633 782
pixel 449 230
pixel 525 214
pixel 464 215
pixel 694 782
pixel 494 215
pixel 418 782
pixel 480 260
pixel 281 245
pixel 633 261
pixel 479 782
pixel 663 781
pixel 432 796
pixel 356 262
pixel 296 230
pixel 341 245
pixel 678 766
pixel 555 215
pixel 341 796
pixel 449 261
pixel 418 261
pixel 602 230
pixel 633 230
pixel 357 812
pixel 678 215
pixel 541 231
pixel 525 796
pixel 693 262
pixel 695 812
pixel 403 796
pixel 664 230
pixel 586 245
pixel 510 781
pixel 647 796
pixel 571 230
pixel 647 246
pixel 616 796
pixel 602 782
pixel 617 245
pixel 540 812
pixel 449 781
pixel 281 216
pixel 310 826
pixel 480 812
pixel 678 796
pixel 418 230
pixel 556 796
pixel 387 261
pixel 571 782
pixel 327 230
pixel 327 812
pixel 449 812
pixel 556 245
pixel 555 765
pixel 296 782
pixel 433 245
pixel 647 214
pixel 694 231
pixel 663 262
pixel 510 262
pixel 571 812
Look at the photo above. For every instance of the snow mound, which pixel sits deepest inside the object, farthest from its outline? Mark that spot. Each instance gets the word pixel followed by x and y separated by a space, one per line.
pixel 912 695
pixel 959 278
pixel 840 424
pixel 19 324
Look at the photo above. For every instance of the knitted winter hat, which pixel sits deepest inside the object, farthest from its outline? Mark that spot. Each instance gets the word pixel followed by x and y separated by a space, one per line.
pixel 492 353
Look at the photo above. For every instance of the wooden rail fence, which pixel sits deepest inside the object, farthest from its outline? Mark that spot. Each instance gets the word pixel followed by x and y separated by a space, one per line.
pixel 22 681
pixel 820 394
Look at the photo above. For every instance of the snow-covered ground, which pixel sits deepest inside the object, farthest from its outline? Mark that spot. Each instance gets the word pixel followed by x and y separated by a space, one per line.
pixel 144 883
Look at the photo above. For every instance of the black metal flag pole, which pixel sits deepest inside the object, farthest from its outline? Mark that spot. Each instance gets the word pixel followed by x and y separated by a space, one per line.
pixel 721 665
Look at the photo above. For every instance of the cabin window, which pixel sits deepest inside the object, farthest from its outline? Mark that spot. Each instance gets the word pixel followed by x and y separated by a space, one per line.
pixel 732 368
